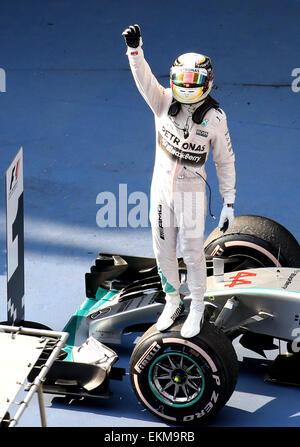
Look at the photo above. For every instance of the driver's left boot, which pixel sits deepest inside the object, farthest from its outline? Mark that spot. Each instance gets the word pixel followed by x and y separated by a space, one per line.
pixel 193 323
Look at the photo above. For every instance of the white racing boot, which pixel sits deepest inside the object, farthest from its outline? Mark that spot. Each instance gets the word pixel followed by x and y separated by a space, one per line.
pixel 193 323
pixel 172 310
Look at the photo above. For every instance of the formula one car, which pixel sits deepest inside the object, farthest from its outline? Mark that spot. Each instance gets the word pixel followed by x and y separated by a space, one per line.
pixel 253 291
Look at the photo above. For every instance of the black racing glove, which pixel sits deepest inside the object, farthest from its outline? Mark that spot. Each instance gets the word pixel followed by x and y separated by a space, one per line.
pixel 132 36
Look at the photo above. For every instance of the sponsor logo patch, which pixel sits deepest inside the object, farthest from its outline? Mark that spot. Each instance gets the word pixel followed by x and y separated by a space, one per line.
pixel 160 222
pixel 202 133
pixel 147 357
pixel 188 157
pixel 290 279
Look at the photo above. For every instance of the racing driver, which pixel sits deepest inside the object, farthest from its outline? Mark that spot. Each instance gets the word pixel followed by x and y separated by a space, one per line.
pixel 188 121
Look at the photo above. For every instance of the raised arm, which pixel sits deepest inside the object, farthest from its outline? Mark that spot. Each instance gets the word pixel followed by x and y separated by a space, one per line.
pixel 146 82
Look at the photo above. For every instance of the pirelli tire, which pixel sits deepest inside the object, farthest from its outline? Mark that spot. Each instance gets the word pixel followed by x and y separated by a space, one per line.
pixel 184 381
pixel 257 241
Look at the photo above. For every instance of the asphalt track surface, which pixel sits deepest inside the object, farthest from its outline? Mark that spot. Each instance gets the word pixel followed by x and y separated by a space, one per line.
pixel 70 101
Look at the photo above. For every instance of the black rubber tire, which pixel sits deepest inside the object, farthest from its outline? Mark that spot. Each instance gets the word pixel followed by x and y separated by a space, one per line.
pixel 210 355
pixel 255 239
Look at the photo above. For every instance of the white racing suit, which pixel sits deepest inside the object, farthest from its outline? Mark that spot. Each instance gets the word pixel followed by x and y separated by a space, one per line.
pixel 178 198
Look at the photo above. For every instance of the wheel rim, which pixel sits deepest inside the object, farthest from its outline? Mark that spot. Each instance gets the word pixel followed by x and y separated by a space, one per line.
pixel 176 379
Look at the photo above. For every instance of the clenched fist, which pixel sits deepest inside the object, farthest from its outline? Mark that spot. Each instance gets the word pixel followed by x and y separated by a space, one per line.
pixel 132 36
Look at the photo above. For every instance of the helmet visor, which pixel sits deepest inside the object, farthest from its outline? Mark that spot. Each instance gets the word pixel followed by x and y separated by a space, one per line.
pixel 189 78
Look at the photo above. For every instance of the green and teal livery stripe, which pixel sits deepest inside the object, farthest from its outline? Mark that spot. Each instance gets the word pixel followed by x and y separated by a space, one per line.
pixel 88 305
pixel 167 287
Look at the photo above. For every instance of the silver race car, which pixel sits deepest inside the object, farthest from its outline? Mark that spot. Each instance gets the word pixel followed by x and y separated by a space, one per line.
pixel 253 292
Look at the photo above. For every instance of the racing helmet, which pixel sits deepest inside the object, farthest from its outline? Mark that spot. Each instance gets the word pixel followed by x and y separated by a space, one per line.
pixel 191 78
